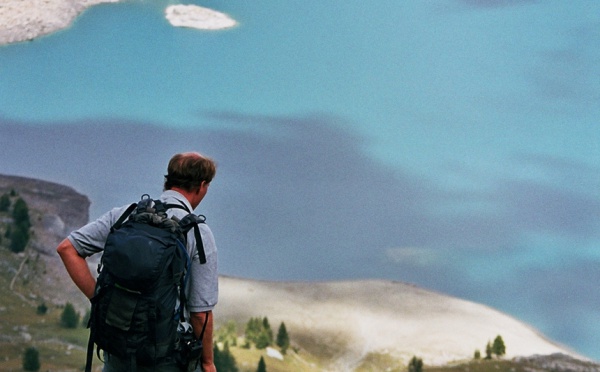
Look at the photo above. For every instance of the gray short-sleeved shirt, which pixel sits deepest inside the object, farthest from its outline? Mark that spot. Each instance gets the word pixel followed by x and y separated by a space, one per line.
pixel 202 289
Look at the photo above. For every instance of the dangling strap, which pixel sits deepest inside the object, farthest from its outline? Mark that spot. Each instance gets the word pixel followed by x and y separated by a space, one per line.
pixel 90 354
pixel 90 325
pixel 204 326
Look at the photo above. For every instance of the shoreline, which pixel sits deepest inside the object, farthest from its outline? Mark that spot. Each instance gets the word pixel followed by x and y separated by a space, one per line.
pixel 25 20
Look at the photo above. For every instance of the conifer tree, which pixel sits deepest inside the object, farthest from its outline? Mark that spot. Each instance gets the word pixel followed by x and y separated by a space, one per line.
pixel 488 350
pixel 69 317
pixel 498 347
pixel 19 235
pixel 31 359
pixel 262 341
pixel 283 339
pixel 227 333
pixel 415 365
pixel 253 328
pixel 262 366
pixel 224 360
pixel 4 203
pixel 267 330
pixel 20 214
pixel 18 239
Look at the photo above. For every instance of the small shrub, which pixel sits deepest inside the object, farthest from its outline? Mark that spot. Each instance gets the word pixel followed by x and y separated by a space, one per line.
pixel 31 359
pixel 488 350
pixel 415 365
pixel 69 317
pixel 42 309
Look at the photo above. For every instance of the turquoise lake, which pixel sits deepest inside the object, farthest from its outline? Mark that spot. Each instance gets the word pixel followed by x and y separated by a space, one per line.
pixel 449 143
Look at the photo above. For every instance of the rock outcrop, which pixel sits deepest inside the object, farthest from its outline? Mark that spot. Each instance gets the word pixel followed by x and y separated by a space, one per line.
pixel 22 20
pixel 54 211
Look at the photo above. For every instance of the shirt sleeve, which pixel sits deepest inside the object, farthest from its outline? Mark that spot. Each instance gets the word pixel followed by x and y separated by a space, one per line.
pixel 90 239
pixel 203 289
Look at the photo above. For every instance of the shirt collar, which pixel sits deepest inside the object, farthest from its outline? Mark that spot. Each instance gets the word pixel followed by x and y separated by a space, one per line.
pixel 168 195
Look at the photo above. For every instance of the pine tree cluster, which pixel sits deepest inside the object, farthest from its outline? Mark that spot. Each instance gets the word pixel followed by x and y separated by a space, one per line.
pixel 223 359
pixel 496 348
pixel 17 232
pixel 259 333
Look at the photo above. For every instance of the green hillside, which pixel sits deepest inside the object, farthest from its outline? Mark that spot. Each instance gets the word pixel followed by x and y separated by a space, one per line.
pixel 22 326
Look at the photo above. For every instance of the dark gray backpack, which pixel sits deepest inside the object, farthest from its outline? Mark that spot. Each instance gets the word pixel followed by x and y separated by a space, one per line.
pixel 139 297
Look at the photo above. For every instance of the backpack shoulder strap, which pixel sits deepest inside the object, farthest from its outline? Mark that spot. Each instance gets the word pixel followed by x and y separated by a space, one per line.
pixel 123 217
pixel 179 205
pixel 189 221
pixel 200 245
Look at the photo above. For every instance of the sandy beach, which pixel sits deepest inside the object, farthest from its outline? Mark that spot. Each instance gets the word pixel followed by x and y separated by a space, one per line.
pixel 23 20
pixel 358 318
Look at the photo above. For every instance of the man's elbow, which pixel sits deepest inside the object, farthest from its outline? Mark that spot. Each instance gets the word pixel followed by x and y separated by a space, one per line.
pixel 65 248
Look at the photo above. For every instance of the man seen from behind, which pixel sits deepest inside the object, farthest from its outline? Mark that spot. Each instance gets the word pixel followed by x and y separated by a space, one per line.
pixel 187 181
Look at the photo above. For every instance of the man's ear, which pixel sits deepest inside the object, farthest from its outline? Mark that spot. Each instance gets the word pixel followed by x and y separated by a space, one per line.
pixel 202 186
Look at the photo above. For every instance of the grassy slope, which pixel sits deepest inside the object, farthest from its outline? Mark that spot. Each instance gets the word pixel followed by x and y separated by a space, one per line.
pixel 21 327
pixel 64 349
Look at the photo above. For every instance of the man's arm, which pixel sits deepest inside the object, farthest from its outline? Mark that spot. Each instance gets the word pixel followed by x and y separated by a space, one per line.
pixel 198 320
pixel 77 268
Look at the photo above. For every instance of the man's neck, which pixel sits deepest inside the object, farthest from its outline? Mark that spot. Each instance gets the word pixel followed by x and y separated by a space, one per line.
pixel 190 196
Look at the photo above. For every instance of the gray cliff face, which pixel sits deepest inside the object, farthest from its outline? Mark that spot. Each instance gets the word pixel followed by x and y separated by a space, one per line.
pixel 54 211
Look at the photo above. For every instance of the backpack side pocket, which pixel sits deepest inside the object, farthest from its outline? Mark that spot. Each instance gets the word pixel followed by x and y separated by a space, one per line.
pixel 121 308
